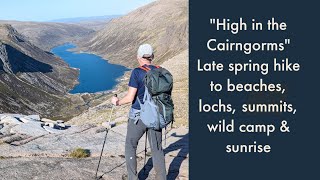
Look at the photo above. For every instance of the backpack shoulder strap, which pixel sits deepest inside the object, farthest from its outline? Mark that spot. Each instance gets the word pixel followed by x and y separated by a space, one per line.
pixel 144 68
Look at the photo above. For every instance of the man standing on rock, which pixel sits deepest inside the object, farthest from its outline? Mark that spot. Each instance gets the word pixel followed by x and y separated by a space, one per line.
pixel 136 128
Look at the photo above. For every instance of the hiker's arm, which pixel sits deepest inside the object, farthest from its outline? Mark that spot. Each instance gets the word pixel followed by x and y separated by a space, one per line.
pixel 128 98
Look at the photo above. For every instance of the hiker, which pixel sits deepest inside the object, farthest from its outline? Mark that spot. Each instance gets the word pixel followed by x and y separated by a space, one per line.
pixel 136 128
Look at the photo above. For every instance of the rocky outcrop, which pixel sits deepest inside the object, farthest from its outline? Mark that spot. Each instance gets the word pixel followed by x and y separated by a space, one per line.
pixel 28 150
pixel 31 125
pixel 163 23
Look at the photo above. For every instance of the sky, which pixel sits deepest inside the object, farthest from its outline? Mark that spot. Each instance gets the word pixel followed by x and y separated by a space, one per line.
pixel 46 10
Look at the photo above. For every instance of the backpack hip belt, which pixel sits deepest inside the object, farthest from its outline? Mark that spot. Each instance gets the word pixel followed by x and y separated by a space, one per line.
pixel 134 114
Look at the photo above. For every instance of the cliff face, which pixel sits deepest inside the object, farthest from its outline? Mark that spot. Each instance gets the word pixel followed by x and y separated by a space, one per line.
pixel 31 80
pixel 163 24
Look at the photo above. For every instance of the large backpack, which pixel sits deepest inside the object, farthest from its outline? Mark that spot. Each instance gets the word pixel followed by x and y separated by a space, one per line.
pixel 157 108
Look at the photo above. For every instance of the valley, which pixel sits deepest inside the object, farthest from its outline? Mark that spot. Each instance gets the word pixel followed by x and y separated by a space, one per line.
pixel 168 36
pixel 37 83
pixel 32 80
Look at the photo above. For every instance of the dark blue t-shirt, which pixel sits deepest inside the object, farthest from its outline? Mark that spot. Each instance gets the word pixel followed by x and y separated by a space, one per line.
pixel 136 81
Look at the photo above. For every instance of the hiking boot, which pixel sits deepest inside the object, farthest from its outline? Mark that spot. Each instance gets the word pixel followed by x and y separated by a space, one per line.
pixel 124 177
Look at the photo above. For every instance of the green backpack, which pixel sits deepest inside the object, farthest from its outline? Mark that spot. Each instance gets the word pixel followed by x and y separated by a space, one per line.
pixel 159 83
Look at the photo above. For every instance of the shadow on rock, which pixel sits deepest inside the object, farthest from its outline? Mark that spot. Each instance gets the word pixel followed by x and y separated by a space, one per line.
pixel 174 168
pixel 19 62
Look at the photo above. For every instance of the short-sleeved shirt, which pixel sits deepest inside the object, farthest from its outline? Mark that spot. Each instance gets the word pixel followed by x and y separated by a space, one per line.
pixel 136 81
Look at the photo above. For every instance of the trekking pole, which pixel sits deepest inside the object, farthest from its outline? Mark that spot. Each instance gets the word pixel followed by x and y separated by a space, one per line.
pixel 108 126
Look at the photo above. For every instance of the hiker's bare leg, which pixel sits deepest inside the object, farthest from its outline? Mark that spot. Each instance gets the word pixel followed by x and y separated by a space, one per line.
pixel 155 141
pixel 134 133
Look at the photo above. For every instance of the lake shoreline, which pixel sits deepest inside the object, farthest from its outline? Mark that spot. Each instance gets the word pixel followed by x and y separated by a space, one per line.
pixel 114 72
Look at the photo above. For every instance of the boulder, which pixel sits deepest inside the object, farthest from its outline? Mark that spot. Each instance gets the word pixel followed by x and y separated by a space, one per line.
pixel 61 126
pixel 60 121
pixel 10 120
pixel 49 124
pixel 31 129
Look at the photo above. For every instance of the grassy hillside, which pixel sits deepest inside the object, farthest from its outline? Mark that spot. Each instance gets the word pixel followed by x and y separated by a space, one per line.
pixel 163 24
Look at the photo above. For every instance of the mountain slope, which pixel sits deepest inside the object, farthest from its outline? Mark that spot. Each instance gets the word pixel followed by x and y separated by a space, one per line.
pixel 31 80
pixel 94 22
pixel 48 35
pixel 163 24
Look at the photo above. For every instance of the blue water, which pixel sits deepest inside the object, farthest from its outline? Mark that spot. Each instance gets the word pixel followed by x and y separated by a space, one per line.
pixel 96 74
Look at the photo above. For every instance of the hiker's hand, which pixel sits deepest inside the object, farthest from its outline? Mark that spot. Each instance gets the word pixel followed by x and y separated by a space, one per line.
pixel 115 101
